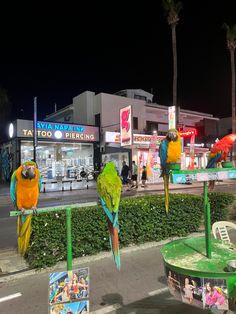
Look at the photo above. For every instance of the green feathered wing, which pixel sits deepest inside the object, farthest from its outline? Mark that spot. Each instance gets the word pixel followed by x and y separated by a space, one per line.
pixel 109 189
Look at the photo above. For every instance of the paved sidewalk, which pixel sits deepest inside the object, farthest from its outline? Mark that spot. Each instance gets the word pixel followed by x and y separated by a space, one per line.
pixel 5 188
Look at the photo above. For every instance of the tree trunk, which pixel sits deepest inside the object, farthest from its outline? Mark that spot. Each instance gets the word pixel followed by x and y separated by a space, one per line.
pixel 233 90
pixel 174 50
pixel 233 101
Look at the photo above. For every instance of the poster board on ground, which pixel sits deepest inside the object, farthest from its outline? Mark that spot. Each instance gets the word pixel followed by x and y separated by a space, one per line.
pixel 68 290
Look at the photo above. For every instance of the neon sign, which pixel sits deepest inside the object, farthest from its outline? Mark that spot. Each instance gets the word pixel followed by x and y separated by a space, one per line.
pixel 56 131
pixel 59 127
pixel 188 132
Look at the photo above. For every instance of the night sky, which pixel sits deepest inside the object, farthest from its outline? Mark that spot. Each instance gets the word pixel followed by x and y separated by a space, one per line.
pixel 59 54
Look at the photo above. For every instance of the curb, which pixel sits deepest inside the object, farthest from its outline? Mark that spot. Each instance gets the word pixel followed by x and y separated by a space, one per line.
pixel 87 259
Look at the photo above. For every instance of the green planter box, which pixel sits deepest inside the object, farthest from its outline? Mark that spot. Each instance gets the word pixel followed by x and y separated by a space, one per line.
pixel 175 166
pixel 227 164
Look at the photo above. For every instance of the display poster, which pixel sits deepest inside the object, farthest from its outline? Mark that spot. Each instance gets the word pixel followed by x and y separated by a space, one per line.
pixel 215 295
pixel 126 126
pixel 69 292
pixel 81 307
pixel 205 293
pixel 191 290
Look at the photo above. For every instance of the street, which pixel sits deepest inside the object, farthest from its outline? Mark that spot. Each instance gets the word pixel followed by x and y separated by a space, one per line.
pixel 139 287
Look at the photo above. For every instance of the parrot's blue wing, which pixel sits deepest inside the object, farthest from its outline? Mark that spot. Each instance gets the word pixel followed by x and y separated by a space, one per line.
pixel 40 183
pixel 163 149
pixel 211 162
pixel 13 188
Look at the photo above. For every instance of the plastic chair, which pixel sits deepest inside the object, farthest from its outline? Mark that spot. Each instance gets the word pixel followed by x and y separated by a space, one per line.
pixel 221 228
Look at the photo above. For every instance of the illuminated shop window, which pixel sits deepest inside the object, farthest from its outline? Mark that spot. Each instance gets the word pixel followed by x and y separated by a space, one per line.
pixel 60 160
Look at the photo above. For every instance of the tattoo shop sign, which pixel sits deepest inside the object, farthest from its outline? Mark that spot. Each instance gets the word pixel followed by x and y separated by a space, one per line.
pixel 58 131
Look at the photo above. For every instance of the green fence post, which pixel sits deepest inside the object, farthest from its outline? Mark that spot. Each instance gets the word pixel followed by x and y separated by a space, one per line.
pixel 207 218
pixel 68 237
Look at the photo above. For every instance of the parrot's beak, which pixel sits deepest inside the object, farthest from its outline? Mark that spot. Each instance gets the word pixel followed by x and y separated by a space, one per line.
pixel 29 173
pixel 171 136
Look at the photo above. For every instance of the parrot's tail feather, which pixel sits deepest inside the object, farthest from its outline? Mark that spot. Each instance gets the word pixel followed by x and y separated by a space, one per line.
pixel 23 232
pixel 166 188
pixel 114 242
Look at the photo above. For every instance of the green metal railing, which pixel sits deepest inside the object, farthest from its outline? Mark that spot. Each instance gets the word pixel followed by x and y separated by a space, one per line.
pixel 68 209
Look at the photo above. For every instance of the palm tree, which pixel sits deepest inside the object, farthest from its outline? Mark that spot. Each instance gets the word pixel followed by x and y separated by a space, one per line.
pixel 231 45
pixel 172 10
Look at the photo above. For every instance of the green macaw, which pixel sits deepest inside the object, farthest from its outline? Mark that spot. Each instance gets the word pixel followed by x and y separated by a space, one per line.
pixel 109 189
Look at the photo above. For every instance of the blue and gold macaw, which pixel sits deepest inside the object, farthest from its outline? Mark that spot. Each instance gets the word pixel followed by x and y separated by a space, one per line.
pixel 109 189
pixel 170 152
pixel 24 191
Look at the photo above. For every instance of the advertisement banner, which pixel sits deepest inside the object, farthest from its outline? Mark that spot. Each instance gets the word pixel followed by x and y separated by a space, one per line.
pixel 126 126
pixel 172 117
pixel 139 139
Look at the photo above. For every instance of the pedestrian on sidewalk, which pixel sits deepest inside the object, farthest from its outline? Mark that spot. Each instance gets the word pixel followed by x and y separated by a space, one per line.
pixel 125 174
pixel 84 177
pixel 134 176
pixel 144 177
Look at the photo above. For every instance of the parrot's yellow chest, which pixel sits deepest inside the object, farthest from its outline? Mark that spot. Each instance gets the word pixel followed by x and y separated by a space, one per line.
pixel 27 191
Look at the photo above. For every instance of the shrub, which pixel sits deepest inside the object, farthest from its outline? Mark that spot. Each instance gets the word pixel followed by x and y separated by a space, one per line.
pixel 220 203
pixel 141 219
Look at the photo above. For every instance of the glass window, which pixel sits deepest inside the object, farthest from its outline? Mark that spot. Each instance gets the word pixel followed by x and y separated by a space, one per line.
pixel 60 160
pixel 135 123
pixel 140 97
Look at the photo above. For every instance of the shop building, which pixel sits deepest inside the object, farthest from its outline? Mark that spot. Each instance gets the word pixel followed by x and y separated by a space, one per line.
pixel 61 153
pixel 103 110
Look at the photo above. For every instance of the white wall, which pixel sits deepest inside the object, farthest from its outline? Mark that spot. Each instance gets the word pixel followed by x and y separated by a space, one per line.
pixel 80 108
pixel 86 106
pixel 110 111
pixel 156 115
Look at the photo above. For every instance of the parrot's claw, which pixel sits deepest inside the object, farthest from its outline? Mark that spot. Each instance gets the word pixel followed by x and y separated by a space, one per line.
pixel 22 211
pixel 34 209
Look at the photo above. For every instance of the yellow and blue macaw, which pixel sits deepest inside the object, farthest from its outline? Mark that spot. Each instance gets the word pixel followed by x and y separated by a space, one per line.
pixel 109 189
pixel 169 152
pixel 24 191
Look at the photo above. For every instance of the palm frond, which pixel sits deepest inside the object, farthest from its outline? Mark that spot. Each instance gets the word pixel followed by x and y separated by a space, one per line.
pixel 178 7
pixel 166 5
pixel 230 32
pixel 171 5
pixel 234 28
pixel 225 27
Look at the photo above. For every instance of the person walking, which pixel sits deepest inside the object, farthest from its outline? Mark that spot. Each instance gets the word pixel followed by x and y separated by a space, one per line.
pixel 134 176
pixel 144 177
pixel 125 174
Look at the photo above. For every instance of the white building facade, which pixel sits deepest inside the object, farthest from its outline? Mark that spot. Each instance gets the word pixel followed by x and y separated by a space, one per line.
pixel 103 110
